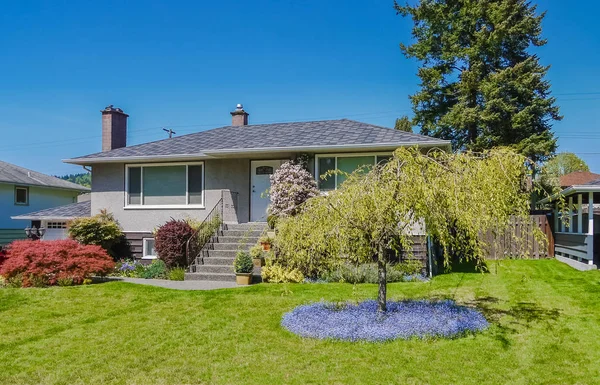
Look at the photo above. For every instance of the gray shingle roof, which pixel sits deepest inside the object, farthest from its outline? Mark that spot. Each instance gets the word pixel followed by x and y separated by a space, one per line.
pixel 326 133
pixel 10 173
pixel 70 211
pixel 593 183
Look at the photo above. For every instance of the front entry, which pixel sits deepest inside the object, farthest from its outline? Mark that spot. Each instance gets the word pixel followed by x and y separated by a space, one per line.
pixel 260 182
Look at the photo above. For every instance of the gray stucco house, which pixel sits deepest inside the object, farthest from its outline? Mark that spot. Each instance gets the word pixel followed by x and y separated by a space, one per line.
pixel 187 176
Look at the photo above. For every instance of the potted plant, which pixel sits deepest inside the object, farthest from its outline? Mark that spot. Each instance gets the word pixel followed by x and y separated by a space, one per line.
pixel 266 242
pixel 256 253
pixel 243 267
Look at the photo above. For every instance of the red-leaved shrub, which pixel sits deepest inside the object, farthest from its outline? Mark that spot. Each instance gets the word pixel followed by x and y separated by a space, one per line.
pixel 51 261
pixel 170 242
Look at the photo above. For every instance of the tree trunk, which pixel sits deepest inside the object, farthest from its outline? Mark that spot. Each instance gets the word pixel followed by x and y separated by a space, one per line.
pixel 382 296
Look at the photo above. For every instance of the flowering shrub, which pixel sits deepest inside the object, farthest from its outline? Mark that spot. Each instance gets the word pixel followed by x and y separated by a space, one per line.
pixel 39 263
pixel 402 320
pixel 128 268
pixel 170 242
pixel 291 186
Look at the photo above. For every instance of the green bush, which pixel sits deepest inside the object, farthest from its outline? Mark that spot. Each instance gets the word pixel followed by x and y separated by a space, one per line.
pixel 15 281
pixel 243 263
pixel 256 252
pixel 156 270
pixel 278 274
pixel 177 274
pixel 66 281
pixel 101 230
pixel 272 221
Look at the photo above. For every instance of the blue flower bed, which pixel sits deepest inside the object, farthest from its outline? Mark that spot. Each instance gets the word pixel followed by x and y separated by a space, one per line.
pixel 363 322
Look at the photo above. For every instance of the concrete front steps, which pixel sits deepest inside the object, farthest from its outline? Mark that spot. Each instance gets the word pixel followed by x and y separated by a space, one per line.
pixel 221 250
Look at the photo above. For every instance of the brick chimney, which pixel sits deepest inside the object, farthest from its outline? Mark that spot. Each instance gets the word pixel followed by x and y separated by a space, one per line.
pixel 114 128
pixel 239 117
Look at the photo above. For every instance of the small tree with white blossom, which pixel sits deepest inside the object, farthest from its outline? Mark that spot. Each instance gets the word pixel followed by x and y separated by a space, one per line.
pixel 291 186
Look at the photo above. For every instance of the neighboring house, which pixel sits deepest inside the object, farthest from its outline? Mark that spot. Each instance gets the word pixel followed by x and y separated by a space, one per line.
pixel 577 178
pixel 23 191
pixel 577 238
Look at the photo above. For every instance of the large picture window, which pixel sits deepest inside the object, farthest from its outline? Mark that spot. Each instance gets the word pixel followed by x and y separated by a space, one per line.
pixel 165 185
pixel 347 163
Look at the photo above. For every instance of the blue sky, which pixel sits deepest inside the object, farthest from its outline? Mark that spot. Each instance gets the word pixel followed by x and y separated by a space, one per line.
pixel 185 64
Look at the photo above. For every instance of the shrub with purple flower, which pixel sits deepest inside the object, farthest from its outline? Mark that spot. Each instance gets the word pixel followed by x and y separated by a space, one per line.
pixel 128 268
pixel 402 320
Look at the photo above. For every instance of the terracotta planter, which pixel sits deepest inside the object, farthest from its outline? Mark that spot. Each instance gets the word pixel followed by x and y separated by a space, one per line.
pixel 243 278
pixel 258 262
pixel 266 246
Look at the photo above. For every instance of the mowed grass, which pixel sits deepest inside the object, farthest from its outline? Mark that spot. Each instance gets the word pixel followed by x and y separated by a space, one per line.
pixel 545 330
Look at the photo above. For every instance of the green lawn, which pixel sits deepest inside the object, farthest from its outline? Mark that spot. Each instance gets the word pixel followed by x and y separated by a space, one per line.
pixel 545 316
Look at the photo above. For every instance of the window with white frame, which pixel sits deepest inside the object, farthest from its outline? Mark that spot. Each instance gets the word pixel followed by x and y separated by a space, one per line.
pixel 56 225
pixel 174 184
pixel 21 195
pixel 148 248
pixel 347 163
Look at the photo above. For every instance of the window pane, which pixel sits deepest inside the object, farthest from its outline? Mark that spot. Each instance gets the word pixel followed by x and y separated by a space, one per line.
pixel 135 185
pixel 149 248
pixel 195 184
pixel 351 164
pixel 21 195
pixel 326 164
pixel 164 185
pixel 383 159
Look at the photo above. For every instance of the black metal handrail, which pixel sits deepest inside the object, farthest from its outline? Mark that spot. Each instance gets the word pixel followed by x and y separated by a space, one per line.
pixel 216 212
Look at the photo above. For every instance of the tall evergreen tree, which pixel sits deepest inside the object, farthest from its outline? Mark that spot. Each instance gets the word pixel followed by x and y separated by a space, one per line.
pixel 403 124
pixel 480 87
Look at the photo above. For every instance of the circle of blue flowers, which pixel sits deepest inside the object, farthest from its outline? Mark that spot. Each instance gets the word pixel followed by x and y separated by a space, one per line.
pixel 402 320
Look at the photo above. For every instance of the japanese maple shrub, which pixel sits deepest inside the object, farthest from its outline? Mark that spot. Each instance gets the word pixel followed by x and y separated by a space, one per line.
pixel 37 263
pixel 291 186
pixel 170 242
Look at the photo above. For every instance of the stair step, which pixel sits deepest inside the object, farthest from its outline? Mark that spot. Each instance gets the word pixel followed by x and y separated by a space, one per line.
pixel 242 233
pixel 236 239
pixel 222 253
pixel 210 277
pixel 221 269
pixel 217 261
pixel 232 246
pixel 257 226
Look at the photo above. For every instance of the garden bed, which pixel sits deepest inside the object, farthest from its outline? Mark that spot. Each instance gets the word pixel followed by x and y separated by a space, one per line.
pixel 402 320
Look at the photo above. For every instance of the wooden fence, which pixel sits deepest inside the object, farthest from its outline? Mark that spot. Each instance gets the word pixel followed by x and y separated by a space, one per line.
pixel 519 240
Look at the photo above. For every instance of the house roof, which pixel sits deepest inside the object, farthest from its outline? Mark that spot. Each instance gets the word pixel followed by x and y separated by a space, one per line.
pixel 10 173
pixel 577 178
pixel 589 187
pixel 66 212
pixel 325 135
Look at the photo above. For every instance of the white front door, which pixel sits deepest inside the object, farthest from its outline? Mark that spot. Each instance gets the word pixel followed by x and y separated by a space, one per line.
pixel 260 182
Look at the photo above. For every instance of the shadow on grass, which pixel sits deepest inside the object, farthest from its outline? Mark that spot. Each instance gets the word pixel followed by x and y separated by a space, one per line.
pixel 522 314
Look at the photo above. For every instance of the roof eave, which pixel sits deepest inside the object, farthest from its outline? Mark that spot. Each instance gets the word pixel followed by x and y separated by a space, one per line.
pixel 569 191
pixel 44 218
pixel 445 144
pixel 80 188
